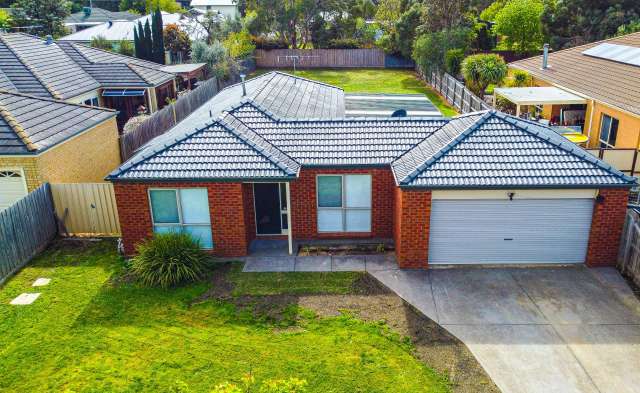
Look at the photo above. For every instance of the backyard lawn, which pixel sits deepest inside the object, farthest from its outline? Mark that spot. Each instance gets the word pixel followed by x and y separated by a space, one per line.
pixel 93 329
pixel 380 81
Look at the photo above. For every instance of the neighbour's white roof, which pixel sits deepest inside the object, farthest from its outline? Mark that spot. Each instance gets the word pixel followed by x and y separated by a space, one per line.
pixel 182 68
pixel 203 3
pixel 539 96
pixel 123 30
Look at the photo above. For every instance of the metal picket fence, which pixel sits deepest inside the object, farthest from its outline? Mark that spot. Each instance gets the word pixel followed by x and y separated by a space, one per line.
pixel 456 93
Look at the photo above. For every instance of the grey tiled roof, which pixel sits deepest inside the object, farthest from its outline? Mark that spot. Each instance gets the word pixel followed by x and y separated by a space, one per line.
pixel 58 73
pixel 364 141
pixel 213 152
pixel 64 70
pixel 99 15
pixel 45 122
pixel 495 150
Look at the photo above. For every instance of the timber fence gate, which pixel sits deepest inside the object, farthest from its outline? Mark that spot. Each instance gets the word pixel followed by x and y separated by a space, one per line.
pixel 456 93
pixel 86 208
pixel 629 256
pixel 164 119
pixel 26 228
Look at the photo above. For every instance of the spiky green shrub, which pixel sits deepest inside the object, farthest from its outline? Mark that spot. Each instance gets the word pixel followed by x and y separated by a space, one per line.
pixel 168 259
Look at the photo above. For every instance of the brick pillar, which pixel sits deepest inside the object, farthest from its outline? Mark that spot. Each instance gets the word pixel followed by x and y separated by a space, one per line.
pixel 412 212
pixel 606 227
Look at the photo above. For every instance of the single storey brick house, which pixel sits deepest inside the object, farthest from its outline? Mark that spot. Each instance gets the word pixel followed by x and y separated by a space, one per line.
pixel 479 188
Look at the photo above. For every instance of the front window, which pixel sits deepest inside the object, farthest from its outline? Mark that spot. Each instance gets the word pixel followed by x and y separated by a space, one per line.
pixel 344 203
pixel 608 131
pixel 182 210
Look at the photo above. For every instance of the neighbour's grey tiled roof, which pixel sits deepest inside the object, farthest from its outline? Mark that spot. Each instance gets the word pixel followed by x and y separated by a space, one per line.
pixel 31 124
pixel 64 70
pixel 49 65
pixel 99 15
pixel 495 150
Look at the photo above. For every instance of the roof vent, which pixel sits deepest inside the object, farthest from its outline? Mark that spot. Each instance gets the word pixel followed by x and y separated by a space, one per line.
pixel 87 11
pixel 49 40
pixel 545 56
pixel 244 87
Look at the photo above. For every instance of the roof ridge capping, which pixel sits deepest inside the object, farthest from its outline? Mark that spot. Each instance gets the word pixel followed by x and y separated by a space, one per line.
pixel 565 145
pixel 249 102
pixel 441 152
pixel 17 127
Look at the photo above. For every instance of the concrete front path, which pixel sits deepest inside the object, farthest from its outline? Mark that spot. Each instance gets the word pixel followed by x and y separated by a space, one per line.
pixel 541 330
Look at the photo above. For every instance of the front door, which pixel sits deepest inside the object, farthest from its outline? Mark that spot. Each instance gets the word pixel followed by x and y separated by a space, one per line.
pixel 268 202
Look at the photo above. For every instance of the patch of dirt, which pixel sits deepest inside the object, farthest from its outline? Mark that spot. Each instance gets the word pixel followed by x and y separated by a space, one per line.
pixel 354 249
pixel 372 302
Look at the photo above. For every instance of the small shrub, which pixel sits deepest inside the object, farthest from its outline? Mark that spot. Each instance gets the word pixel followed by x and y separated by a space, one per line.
pixel 168 259
pixel 344 43
pixel 268 43
pixel 453 60
pixel 519 78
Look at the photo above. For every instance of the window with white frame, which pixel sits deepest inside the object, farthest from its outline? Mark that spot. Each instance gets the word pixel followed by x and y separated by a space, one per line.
pixel 608 131
pixel 183 210
pixel 344 203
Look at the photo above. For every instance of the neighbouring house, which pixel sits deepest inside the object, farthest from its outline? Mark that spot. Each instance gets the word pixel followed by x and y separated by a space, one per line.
pixel 118 30
pixel 283 164
pixel 594 88
pixel 47 140
pixel 77 73
pixel 93 16
pixel 227 8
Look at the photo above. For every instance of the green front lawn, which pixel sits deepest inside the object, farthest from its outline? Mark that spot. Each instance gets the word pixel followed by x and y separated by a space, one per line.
pixel 379 81
pixel 93 330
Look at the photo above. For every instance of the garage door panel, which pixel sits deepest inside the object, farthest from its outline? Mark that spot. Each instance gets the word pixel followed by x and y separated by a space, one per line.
pixel 12 188
pixel 502 231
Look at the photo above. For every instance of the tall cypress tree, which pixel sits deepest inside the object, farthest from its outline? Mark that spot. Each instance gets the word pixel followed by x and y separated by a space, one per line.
pixel 141 49
pixel 158 40
pixel 148 41
pixel 136 42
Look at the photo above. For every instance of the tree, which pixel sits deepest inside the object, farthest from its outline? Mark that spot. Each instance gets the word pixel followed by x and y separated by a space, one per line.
pixel 101 42
pixel 48 15
pixel 169 6
pixel 445 15
pixel 218 61
pixel 157 40
pixel 365 9
pixel 125 48
pixel 430 49
pixel 453 61
pixel 139 6
pixel 520 24
pixel 5 20
pixel 406 29
pixel 388 13
pixel 239 45
pixel 176 40
pixel 482 70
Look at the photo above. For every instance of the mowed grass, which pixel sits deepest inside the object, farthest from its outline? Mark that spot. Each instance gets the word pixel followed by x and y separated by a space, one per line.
pixel 92 331
pixel 366 80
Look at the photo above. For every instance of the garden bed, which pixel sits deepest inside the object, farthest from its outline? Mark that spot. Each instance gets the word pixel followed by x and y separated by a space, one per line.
pixel 344 249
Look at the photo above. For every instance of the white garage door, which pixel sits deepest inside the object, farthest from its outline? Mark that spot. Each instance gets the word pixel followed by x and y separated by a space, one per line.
pixel 503 231
pixel 12 187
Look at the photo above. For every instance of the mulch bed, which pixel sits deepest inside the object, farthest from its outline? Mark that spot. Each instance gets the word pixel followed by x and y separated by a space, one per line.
pixel 371 301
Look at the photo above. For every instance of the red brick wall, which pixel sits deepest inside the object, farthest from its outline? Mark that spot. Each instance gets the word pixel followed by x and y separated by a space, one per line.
pixel 304 218
pixel 249 212
pixel 412 213
pixel 226 204
pixel 606 227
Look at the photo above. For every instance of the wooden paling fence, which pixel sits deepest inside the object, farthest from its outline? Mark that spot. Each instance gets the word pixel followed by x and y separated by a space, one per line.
pixel 456 93
pixel 86 209
pixel 26 228
pixel 629 257
pixel 320 58
pixel 163 120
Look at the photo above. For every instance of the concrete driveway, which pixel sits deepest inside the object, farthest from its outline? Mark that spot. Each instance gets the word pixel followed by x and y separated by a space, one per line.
pixel 541 330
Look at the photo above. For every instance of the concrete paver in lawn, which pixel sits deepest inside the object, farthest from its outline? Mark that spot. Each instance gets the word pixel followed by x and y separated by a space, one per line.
pixel 481 296
pixel 347 263
pixel 269 264
pixel 41 282
pixel 313 264
pixel 25 299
